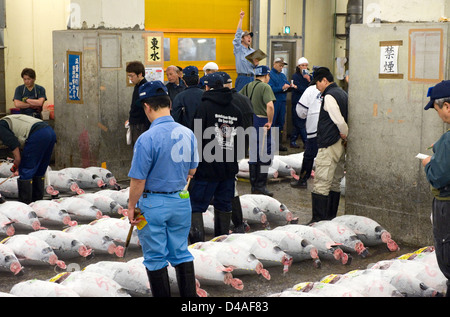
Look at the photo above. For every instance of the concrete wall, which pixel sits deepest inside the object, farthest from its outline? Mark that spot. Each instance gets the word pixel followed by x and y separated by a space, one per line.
pixel 388 127
pixel 93 133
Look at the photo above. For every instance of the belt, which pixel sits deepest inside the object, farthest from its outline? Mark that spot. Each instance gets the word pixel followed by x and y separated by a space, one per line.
pixel 246 75
pixel 165 193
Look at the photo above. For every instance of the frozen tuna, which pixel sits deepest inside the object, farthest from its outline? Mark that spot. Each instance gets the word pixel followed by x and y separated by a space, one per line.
pixel 274 210
pixel 8 260
pixel 8 187
pixel 62 182
pixel 31 250
pixel 300 249
pixel 22 215
pixel 233 256
pixel 252 213
pixel 261 247
pixel 95 239
pixel 6 226
pixel 368 231
pixel 64 244
pixel 51 212
pixel 107 177
pixel 120 196
pixel 327 248
pixel 131 277
pixel 209 271
pixel 5 168
pixel 340 233
pixel 80 209
pixel 106 204
pixel 84 178
pixel 90 284
pixel 116 229
pixel 38 288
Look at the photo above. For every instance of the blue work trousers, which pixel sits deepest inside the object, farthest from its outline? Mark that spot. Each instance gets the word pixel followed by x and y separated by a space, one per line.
pixel 37 153
pixel 164 239
pixel 203 192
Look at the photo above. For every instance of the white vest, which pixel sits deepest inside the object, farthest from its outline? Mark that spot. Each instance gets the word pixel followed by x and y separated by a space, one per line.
pixel 20 125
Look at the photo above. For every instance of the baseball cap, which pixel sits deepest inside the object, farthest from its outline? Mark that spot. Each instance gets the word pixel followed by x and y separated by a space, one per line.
pixel 245 33
pixel 152 89
pixel 190 71
pixel 441 90
pixel 280 60
pixel 226 77
pixel 214 80
pixel 262 70
pixel 319 74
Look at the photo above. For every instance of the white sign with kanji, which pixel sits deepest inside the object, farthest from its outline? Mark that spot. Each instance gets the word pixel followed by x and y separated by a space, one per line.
pixel 389 59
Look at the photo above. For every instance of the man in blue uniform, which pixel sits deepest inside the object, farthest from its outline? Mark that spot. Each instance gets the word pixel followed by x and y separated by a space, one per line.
pixel 29 97
pixel 241 43
pixel 163 158
pixel 437 169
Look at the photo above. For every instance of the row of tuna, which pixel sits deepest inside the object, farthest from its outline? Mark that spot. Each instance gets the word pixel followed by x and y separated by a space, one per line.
pixel 281 166
pixel 414 274
pixel 69 180
pixel 219 261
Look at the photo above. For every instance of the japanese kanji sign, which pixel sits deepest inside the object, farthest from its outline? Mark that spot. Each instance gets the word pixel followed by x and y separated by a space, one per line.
pixel 74 79
pixel 389 59
pixel 154 49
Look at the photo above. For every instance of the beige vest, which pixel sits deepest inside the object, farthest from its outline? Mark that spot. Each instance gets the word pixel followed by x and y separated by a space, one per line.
pixel 20 125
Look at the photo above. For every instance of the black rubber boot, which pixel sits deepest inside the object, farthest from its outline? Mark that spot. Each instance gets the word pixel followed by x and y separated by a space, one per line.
pixel 25 187
pixel 159 282
pixel 186 279
pixel 253 169
pixel 261 182
pixel 221 222
pixel 197 231
pixel 333 204
pixel 38 188
pixel 281 147
pixel 319 207
pixel 2 200
pixel 236 215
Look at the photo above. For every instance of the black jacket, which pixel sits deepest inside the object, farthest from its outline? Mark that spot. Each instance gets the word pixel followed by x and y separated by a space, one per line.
pixel 137 114
pixel 327 131
pixel 185 104
pixel 219 119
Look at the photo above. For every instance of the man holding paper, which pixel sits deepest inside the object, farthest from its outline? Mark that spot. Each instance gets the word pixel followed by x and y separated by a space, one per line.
pixel 437 170
pixel 244 68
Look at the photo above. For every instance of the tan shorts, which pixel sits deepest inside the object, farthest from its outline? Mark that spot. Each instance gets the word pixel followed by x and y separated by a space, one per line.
pixel 329 169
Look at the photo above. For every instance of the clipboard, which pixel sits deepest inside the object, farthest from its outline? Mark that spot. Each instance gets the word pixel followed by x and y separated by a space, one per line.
pixel 258 54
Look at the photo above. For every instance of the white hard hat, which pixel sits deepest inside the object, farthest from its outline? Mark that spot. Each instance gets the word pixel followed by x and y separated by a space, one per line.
pixel 302 61
pixel 211 65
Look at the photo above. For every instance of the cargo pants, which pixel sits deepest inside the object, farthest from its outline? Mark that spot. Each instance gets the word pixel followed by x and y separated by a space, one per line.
pixel 329 169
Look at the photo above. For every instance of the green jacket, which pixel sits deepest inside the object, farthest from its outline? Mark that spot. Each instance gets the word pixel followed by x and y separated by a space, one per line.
pixel 438 169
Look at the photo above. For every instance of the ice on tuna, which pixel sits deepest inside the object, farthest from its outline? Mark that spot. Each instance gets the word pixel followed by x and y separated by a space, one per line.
pixel 31 250
pixel 116 229
pixel 38 288
pixel 272 208
pixel 107 177
pixel 120 196
pixel 368 231
pixel 251 212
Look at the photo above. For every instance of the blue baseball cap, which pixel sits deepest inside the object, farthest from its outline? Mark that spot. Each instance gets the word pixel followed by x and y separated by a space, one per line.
pixel 226 78
pixel 262 70
pixel 190 71
pixel 152 89
pixel 214 80
pixel 441 90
